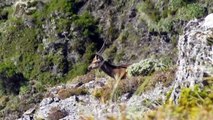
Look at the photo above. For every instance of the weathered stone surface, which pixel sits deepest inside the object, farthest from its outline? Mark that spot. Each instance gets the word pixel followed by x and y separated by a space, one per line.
pixel 195 57
pixel 77 105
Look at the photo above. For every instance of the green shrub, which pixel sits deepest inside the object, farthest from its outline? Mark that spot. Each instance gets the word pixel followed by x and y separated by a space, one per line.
pixel 39 87
pixel 145 67
pixel 66 6
pixel 149 14
pixel 191 11
pixel 148 8
pixel 165 25
pixel 174 5
pixel 77 70
pixel 193 104
pixel 119 56
pixel 24 89
pixel 89 52
pixel 63 24
pixel 86 24
pixel 7 69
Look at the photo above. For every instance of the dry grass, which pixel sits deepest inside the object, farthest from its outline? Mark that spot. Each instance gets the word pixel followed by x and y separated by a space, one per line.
pixel 165 77
pixel 193 105
pixel 84 78
pixel 103 93
pixel 3 101
pixel 149 82
pixel 208 80
pixel 56 113
pixel 171 112
pixel 87 117
pixel 115 88
pixel 121 116
pixel 65 93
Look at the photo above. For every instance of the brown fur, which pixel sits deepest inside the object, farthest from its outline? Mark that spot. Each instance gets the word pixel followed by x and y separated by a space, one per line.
pixel 116 72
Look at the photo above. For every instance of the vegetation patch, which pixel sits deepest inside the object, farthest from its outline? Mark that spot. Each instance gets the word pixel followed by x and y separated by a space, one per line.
pixel 193 104
pixel 191 11
pixel 56 113
pixel 159 16
pixel 145 67
pixel 65 93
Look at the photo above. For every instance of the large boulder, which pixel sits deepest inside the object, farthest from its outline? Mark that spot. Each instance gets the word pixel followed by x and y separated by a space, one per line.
pixel 195 57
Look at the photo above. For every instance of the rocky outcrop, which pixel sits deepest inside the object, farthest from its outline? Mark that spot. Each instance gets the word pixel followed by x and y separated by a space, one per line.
pixel 195 57
pixel 79 106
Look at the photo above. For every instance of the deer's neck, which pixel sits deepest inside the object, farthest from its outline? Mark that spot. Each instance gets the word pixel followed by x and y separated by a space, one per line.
pixel 108 69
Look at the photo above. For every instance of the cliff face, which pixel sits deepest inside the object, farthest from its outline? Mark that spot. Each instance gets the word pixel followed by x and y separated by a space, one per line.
pixel 195 54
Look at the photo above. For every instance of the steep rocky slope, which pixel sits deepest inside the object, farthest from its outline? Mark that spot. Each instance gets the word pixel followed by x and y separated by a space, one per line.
pixel 72 101
pixel 47 42
pixel 90 105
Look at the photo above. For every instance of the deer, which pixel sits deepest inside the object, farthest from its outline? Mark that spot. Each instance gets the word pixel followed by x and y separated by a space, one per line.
pixel 116 72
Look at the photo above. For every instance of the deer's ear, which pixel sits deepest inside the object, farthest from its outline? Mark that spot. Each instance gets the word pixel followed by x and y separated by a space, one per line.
pixel 95 57
pixel 98 57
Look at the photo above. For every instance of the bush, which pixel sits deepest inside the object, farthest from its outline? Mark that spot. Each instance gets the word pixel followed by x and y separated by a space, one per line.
pixel 145 67
pixel 193 104
pixel 191 11
pixel 66 6
pixel 24 89
pixel 165 25
pixel 86 24
pixel 149 14
pixel 77 70
pixel 174 5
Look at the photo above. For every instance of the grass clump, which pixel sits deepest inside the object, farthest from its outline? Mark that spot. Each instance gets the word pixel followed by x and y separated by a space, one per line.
pixel 113 89
pixel 103 93
pixel 65 93
pixel 165 24
pixel 149 82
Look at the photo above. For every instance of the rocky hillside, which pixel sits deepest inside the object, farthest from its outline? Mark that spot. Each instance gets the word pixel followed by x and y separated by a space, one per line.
pixel 138 97
pixel 44 43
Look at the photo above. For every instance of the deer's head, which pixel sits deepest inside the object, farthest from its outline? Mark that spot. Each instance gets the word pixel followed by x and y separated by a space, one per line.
pixel 98 59
pixel 96 62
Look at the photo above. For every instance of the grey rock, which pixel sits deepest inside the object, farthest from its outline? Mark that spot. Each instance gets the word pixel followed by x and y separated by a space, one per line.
pixel 194 53
pixel 30 111
pixel 46 101
pixel 56 99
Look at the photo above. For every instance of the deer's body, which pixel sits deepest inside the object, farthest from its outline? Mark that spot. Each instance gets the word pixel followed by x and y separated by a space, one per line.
pixel 114 71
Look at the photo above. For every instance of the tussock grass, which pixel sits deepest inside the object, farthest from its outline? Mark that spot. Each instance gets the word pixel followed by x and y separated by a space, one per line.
pixel 65 93
pixel 56 113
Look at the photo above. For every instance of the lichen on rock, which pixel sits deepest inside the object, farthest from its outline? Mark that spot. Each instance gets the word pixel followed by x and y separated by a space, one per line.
pixel 195 55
